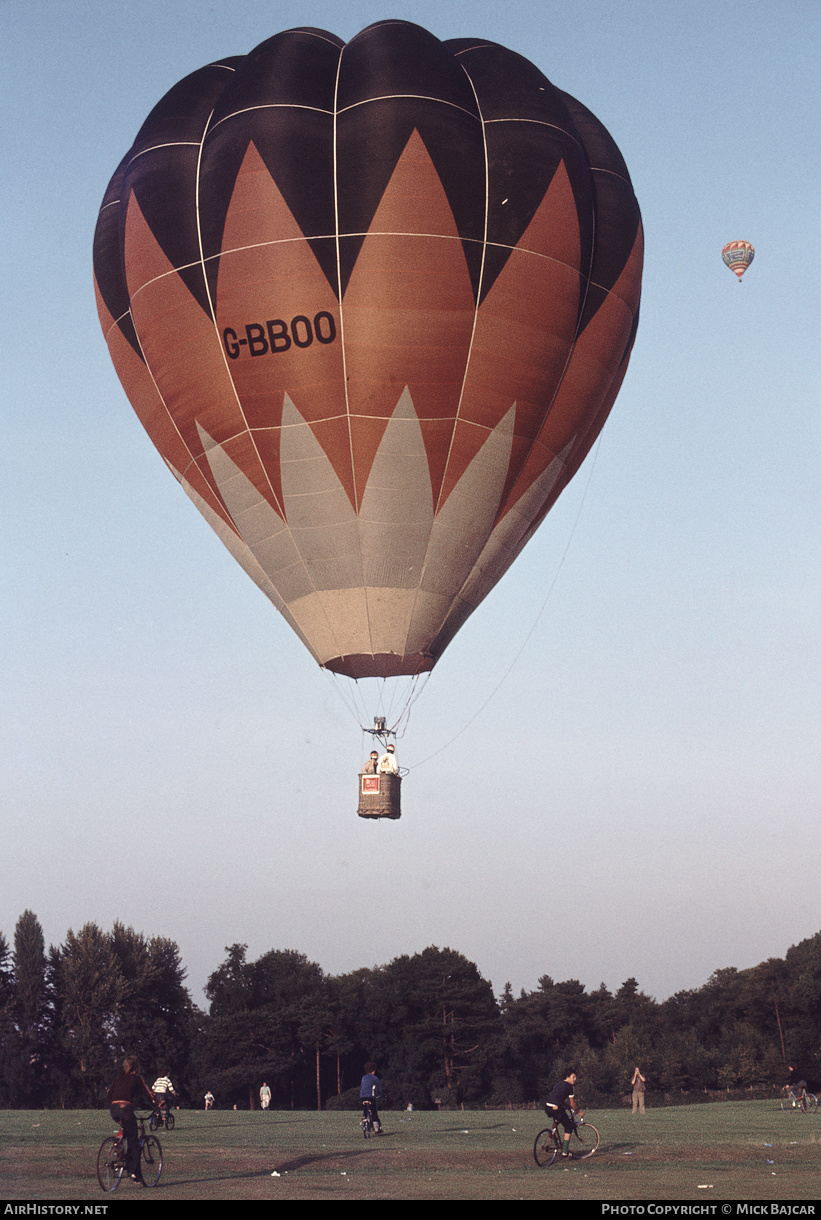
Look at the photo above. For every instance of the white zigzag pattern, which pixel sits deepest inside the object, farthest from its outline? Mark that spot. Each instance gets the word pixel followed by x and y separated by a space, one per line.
pixel 395 580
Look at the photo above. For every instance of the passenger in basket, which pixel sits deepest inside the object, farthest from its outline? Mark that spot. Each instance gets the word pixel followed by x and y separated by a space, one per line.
pixel 371 766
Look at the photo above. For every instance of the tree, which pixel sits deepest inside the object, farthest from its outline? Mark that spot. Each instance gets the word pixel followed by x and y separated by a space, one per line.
pixel 770 981
pixel 29 978
pixel 547 1028
pixel 155 1016
pixel 441 1027
pixel 803 972
pixel 29 1009
pixel 9 1045
pixel 267 1021
pixel 343 1007
pixel 89 988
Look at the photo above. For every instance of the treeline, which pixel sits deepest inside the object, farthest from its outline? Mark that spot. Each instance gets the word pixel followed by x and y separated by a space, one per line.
pixel 430 1021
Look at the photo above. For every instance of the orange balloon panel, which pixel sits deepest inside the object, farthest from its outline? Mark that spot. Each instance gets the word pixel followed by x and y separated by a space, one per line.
pixel 372 302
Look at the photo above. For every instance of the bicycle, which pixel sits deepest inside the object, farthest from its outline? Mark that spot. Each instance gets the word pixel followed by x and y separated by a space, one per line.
pixel 548 1144
pixel 162 1118
pixel 367 1118
pixel 807 1103
pixel 111 1158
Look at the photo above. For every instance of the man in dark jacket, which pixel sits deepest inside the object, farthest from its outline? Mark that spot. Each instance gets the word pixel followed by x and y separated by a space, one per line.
pixel 128 1089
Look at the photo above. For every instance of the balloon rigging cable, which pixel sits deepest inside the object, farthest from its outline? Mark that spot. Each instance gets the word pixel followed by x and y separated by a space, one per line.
pixel 527 638
pixel 354 697
pixel 393 702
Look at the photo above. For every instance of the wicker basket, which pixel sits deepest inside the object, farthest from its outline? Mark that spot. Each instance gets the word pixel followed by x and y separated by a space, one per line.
pixel 380 796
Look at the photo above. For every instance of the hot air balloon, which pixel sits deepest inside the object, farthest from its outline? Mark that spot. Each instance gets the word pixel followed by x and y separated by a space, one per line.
pixel 373 303
pixel 738 255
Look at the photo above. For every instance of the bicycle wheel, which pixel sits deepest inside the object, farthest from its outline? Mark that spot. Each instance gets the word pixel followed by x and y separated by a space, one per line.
pixel 153 1122
pixel 584 1142
pixel 151 1160
pixel 169 1121
pixel 809 1103
pixel 545 1149
pixel 110 1163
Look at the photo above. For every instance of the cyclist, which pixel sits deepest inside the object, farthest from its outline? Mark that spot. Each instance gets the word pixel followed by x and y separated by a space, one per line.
pixel 796 1081
pixel 122 1093
pixel 163 1091
pixel 369 1090
pixel 556 1106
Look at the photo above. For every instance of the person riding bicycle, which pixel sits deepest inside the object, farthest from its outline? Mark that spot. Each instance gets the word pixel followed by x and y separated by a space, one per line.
pixel 796 1081
pixel 369 1090
pixel 163 1091
pixel 122 1094
pixel 556 1106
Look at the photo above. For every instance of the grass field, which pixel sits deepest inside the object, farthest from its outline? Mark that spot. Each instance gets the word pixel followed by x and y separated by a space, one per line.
pixel 723 1151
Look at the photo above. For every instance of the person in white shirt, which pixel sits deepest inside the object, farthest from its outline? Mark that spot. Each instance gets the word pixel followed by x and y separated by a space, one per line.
pixel 387 763
pixel 163 1091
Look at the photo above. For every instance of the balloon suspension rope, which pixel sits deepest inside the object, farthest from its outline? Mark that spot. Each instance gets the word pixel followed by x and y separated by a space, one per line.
pixel 395 721
pixel 352 697
pixel 527 638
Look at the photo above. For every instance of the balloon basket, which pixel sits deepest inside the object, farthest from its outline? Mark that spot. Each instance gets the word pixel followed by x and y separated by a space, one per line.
pixel 380 796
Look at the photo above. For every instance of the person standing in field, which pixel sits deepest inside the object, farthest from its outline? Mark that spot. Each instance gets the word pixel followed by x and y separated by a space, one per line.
pixel 265 1096
pixel 637 1085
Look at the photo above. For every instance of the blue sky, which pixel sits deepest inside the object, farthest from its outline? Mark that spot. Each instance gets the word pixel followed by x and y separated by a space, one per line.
pixel 614 770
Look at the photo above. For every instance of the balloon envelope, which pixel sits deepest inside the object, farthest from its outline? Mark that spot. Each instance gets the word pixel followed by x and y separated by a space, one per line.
pixel 738 255
pixel 373 303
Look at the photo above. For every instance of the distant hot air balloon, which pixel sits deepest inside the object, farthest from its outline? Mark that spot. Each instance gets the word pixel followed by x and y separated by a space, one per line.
pixel 738 255
pixel 373 303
